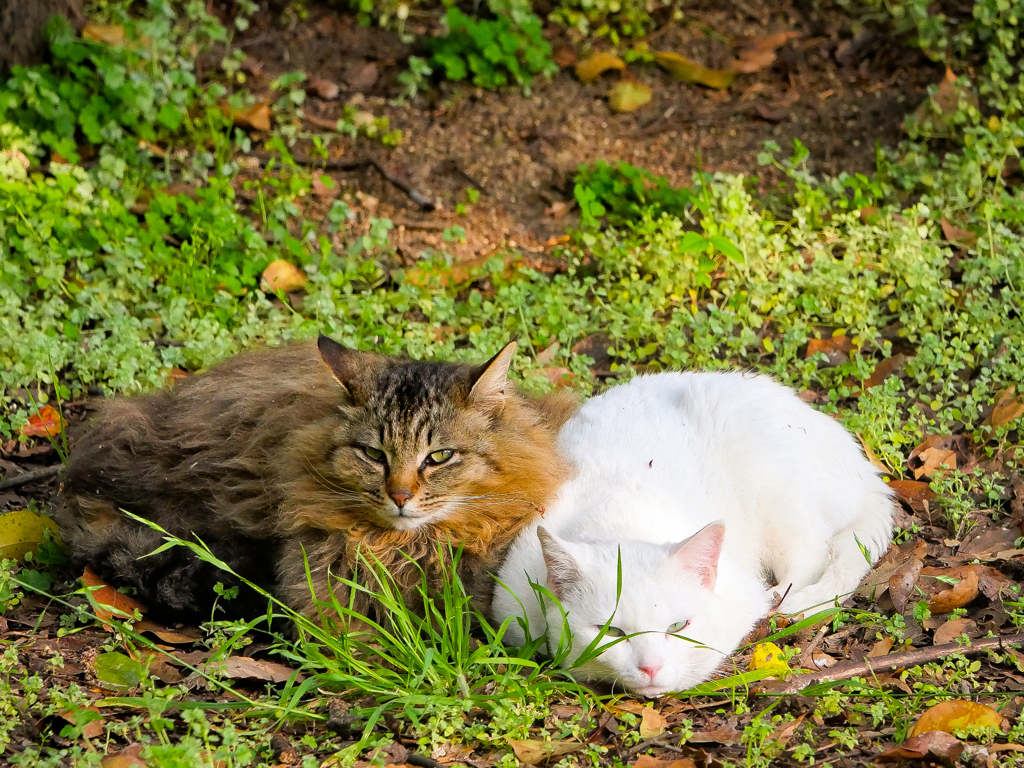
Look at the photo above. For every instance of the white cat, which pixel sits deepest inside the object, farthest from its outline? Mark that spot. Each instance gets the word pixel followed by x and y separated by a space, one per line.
pixel 714 487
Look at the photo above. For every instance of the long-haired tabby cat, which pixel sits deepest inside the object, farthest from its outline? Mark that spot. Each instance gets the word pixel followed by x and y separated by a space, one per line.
pixel 273 459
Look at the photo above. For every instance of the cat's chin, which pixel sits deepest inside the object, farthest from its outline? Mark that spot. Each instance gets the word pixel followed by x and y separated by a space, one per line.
pixel 409 522
pixel 651 691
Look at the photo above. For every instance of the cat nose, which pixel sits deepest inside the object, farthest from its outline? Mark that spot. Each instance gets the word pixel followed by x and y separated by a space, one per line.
pixel 651 669
pixel 400 497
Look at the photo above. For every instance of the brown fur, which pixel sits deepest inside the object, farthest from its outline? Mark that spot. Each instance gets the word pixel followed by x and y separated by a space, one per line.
pixel 262 458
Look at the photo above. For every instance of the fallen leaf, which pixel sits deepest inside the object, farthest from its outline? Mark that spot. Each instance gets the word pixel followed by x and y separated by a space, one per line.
pixel 547 355
pixel 255 117
pixel 90 716
pixel 107 602
pixel 118 671
pixel 934 460
pixel 175 376
pixel 933 445
pixel 902 581
pixel 21 531
pixel 361 77
pixel 46 422
pixel 949 716
pixel 877 581
pixel 247 668
pixel 282 275
pixel 941 109
pixel 768 656
pixel 912 490
pixel 325 89
pixel 725 735
pixel 646 761
pixel 837 344
pixel 822 660
pixel 990 542
pixel 958 236
pixel 626 705
pixel 683 69
pixel 930 746
pixel 628 96
pixel 591 68
pixel 535 752
pixel 870 455
pixel 752 60
pixel 557 209
pixel 564 56
pixel 953 629
pixel 324 186
pixel 652 723
pixel 251 66
pixel 881 647
pixel 180 636
pixel 129 757
pixel 956 597
pixel 885 369
pixel 1005 747
pixel 786 731
pixel 1008 408
pixel 111 34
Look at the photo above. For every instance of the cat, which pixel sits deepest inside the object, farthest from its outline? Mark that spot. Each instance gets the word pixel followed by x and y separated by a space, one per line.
pixel 719 491
pixel 275 459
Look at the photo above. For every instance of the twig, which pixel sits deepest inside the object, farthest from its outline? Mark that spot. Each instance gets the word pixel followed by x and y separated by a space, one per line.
pixel 846 670
pixel 805 659
pixel 30 477
pixel 422 761
pixel 421 200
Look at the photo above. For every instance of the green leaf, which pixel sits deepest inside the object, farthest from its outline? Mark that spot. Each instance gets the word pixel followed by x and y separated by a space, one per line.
pixel 119 671
pixel 692 242
pixel 726 246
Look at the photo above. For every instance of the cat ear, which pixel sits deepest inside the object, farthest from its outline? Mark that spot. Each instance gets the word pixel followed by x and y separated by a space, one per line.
pixel 701 551
pixel 491 382
pixel 563 572
pixel 344 363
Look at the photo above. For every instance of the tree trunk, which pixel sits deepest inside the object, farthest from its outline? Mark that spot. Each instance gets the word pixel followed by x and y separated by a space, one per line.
pixel 22 23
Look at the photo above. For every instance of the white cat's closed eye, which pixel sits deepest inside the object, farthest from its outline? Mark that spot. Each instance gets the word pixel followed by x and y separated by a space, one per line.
pixel 613 632
pixel 679 626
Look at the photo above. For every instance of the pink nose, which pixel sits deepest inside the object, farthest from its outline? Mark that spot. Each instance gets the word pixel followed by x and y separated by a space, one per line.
pixel 651 669
pixel 400 497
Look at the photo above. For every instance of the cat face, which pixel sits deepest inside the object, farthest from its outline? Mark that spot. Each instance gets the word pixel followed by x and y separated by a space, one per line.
pixel 419 442
pixel 667 595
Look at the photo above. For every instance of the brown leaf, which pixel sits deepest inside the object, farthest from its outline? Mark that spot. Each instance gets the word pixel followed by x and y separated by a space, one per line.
pixel 557 209
pixel 877 581
pixel 628 96
pixel 958 596
pixel 1008 408
pixel 912 491
pixel 547 355
pixel 652 723
pixel 958 236
pixel 830 347
pixel 247 668
pixel 752 60
pixel 535 752
pixel 954 443
pixel 107 602
pixel 321 188
pixel 785 732
pixel 942 108
pixel 251 66
pixel 881 647
pixel 323 89
pixel 93 729
pixel 255 117
pixel 949 716
pixel 885 369
pixel 930 746
pixel 46 422
pixel 281 275
pixel 361 77
pixel 129 757
pixel 990 542
pixel 953 629
pixel 564 56
pixel 870 455
pixel 725 735
pixel 180 636
pixel 591 68
pixel 683 69
pixel 646 761
pixel 901 583
pixel 111 34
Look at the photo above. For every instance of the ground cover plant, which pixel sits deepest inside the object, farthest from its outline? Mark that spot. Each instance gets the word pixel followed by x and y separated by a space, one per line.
pixel 161 210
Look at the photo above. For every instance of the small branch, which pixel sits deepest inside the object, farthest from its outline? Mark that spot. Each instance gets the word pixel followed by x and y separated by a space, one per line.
pixel 848 669
pixel 420 199
pixel 422 761
pixel 30 477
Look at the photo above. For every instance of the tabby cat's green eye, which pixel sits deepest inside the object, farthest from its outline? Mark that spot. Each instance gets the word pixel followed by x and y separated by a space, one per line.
pixel 374 454
pixel 440 457
pixel 614 632
pixel 679 626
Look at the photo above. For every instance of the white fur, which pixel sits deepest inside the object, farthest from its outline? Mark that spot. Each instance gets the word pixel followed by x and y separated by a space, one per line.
pixel 658 459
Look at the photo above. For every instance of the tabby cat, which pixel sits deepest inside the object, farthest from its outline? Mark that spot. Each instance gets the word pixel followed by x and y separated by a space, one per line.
pixel 273 459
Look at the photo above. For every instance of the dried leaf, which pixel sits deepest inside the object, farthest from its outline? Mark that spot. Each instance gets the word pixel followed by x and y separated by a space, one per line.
pixel 953 629
pixel 912 491
pixel 44 423
pixel 628 96
pixel 282 275
pixel 247 668
pixel 958 236
pixel 752 60
pixel 901 583
pixel 564 56
pixel 881 647
pixel 21 531
pixel 107 602
pixel 877 582
pixel 111 34
pixel 361 77
pixel 683 69
pixel 255 117
pixel 547 355
pixel 830 347
pixel 646 761
pixel 956 597
pixel 327 90
pixel 535 752
pixel 949 716
pixel 930 746
pixel 1008 408
pixel 870 455
pixel 324 186
pixel 557 375
pixel 93 728
pixel 591 68
pixel 990 542
pixel 885 369
pixel 652 723
pixel 129 757
pixel 180 636
pixel 942 108
pixel 933 460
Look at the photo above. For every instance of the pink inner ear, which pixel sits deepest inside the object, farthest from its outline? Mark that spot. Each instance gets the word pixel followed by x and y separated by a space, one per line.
pixel 701 552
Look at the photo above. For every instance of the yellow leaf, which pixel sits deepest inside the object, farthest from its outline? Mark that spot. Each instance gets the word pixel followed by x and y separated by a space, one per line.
pixel 957 715
pixel 768 656
pixel 651 723
pixel 21 531
pixel 281 275
pixel 683 69
pixel 111 34
pixel 592 68
pixel 533 752
pixel 628 95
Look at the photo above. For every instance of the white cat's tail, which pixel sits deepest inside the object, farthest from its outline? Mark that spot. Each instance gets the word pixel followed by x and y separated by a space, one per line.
pixel 850 554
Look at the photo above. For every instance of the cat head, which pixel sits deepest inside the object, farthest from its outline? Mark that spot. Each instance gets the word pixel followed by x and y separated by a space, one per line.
pixel 667 595
pixel 423 443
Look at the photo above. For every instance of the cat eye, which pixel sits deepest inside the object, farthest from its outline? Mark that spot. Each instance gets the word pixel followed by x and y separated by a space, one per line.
pixel 614 632
pixel 440 457
pixel 679 626
pixel 373 454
